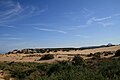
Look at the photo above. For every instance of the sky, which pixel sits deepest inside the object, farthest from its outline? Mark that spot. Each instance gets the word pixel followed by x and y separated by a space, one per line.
pixel 58 23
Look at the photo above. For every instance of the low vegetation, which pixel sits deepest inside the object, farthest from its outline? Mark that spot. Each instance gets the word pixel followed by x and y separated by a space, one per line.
pixel 93 68
pixel 77 60
pixel 117 53
pixel 77 69
pixel 48 50
pixel 47 57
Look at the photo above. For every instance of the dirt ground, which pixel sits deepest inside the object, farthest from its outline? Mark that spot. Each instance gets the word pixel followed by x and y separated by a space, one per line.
pixel 58 56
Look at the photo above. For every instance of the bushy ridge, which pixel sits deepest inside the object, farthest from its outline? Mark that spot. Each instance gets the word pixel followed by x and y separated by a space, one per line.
pixel 48 50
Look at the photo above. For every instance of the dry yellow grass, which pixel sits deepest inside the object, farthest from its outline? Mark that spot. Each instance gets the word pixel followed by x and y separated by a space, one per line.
pixel 58 56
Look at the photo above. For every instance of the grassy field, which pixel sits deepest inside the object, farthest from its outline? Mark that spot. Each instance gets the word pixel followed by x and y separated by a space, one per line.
pixel 100 65
pixel 58 56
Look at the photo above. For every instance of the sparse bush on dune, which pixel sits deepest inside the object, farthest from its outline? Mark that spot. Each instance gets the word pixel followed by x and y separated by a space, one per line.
pixel 77 69
pixel 47 57
pixel 90 55
pixel 106 53
pixel 96 55
pixel 117 53
pixel 77 60
pixel 105 70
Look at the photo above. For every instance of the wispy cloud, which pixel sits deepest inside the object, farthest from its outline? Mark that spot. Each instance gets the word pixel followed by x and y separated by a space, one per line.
pixel 35 24
pixel 50 30
pixel 106 23
pixel 5 35
pixel 94 19
pixel 87 13
pixel 118 14
pixel 8 26
pixel 89 21
pixel 14 11
pixel 78 14
pixel 35 10
pixel 10 38
pixel 83 36
pixel 102 19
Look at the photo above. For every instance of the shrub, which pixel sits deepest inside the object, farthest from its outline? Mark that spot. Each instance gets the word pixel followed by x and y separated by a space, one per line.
pixel 55 50
pixel 90 55
pixel 77 60
pixel 110 53
pixel 117 53
pixel 106 54
pixel 47 57
pixel 97 54
pixel 110 69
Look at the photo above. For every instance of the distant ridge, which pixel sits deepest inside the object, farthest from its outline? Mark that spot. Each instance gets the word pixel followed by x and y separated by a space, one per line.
pixel 47 50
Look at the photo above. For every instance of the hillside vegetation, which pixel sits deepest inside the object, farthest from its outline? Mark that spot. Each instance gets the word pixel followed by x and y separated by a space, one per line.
pixel 48 50
pixel 77 69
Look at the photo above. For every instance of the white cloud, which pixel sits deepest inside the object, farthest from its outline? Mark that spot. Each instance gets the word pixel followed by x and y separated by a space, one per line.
pixel 50 30
pixel 35 10
pixel 14 11
pixel 83 36
pixel 35 24
pixel 90 21
pixel 102 19
pixel 87 13
pixel 106 24
pixel 118 14
pixel 8 26
pixel 94 19
pixel 10 38
pixel 5 35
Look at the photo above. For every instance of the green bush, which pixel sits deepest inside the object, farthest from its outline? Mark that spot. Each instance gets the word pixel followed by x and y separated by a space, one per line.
pixel 97 54
pixel 105 69
pixel 90 55
pixel 47 57
pixel 110 69
pixel 117 53
pixel 77 60
pixel 106 53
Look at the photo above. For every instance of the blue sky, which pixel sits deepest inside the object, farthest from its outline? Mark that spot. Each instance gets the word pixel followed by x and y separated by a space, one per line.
pixel 58 23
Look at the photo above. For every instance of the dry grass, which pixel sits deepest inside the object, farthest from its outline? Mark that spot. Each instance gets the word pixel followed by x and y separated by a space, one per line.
pixel 58 56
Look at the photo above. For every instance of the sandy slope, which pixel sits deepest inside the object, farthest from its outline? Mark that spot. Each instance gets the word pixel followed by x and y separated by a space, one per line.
pixel 63 55
pixel 87 51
